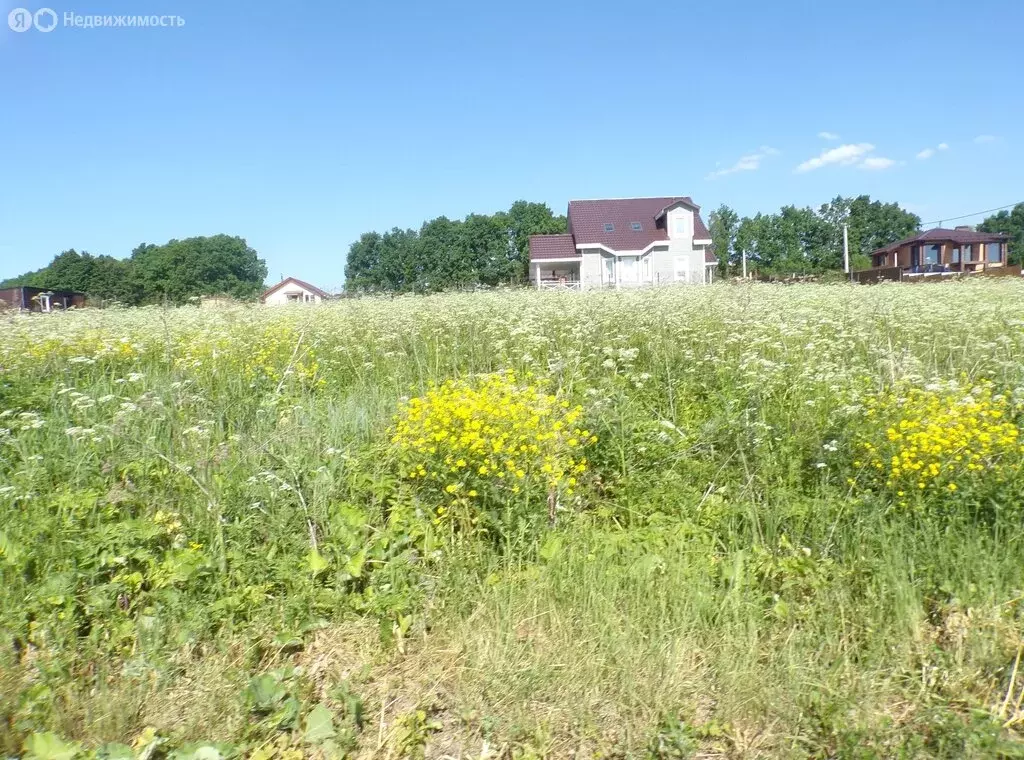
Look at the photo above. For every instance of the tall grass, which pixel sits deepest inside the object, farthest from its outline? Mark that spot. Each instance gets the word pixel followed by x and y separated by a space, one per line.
pixel 193 500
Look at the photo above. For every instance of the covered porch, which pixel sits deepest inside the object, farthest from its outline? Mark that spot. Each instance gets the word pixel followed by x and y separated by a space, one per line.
pixel 556 274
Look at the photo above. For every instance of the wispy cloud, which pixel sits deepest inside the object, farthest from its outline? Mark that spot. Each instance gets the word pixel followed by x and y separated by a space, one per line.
pixel 876 163
pixel 828 135
pixel 748 163
pixel 982 139
pixel 844 155
pixel 927 153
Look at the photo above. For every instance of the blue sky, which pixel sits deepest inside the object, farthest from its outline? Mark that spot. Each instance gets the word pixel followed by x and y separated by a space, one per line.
pixel 299 126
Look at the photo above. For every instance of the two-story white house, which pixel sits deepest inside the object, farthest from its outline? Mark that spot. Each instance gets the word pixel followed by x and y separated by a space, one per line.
pixel 625 242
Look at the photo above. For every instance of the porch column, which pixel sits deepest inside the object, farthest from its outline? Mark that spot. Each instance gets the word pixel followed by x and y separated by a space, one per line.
pixel 537 270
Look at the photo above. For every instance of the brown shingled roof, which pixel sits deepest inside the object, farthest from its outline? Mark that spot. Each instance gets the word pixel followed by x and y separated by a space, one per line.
pixel 587 220
pixel 552 247
pixel 943 235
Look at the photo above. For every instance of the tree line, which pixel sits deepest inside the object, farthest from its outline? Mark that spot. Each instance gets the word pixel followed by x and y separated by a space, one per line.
pixel 1009 223
pixel 481 249
pixel 175 272
pixel 489 250
pixel 808 241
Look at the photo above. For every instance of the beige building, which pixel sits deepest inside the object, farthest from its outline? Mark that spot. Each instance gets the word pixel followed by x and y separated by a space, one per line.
pixel 943 250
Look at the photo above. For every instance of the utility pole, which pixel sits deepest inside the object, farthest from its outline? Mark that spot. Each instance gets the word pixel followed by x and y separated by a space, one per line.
pixel 744 263
pixel 846 249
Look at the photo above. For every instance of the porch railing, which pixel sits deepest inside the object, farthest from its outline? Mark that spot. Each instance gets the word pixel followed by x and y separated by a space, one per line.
pixel 559 284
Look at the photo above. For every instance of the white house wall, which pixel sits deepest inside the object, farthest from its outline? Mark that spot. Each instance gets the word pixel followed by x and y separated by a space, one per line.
pixel 661 265
pixel 590 272
pixel 280 297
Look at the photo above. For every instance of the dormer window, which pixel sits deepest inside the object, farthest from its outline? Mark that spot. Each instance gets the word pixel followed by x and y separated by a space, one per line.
pixel 609 227
pixel 637 227
pixel 680 224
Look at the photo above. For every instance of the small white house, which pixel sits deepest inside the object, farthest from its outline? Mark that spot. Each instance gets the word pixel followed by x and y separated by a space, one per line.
pixel 291 290
pixel 625 242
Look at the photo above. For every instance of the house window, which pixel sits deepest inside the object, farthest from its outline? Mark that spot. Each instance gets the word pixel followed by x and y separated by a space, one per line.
pixel 954 256
pixel 993 252
pixel 636 226
pixel 609 227
pixel 647 268
pixel 915 256
pixel 609 270
pixel 968 253
pixel 932 253
pixel 681 224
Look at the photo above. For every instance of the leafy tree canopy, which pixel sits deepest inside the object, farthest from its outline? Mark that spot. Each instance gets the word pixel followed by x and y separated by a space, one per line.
pixel 1011 223
pixel 173 272
pixel 478 250
pixel 802 240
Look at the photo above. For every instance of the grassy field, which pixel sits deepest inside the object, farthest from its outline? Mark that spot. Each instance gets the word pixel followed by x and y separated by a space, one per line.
pixel 733 521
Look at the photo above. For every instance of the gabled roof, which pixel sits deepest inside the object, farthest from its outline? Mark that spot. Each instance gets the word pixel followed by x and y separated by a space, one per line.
pixel 680 202
pixel 587 221
pixel 943 235
pixel 552 247
pixel 300 283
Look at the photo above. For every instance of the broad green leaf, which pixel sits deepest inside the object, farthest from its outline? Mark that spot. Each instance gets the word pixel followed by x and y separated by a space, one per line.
pixel 264 692
pixel 354 567
pixel 319 726
pixel 10 553
pixel 206 752
pixel 316 563
pixel 115 751
pixel 551 548
pixel 48 746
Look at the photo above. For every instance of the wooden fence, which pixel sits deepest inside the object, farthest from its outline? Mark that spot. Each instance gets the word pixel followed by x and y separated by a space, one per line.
pixel 868 276
pixel 896 274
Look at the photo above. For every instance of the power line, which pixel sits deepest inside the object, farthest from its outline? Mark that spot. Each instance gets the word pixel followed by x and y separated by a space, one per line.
pixel 976 213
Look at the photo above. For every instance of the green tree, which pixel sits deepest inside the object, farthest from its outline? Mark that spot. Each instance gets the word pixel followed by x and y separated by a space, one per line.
pixel 801 240
pixel 481 249
pixel 1009 223
pixel 874 224
pixel 362 268
pixel 438 249
pixel 183 269
pixel 724 225
pixel 523 220
pixel 99 277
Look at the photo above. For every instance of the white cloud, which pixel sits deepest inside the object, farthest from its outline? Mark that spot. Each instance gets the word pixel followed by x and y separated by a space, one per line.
pixel 876 163
pixel 844 155
pixel 748 163
pixel 980 139
pixel 828 135
pixel 929 152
